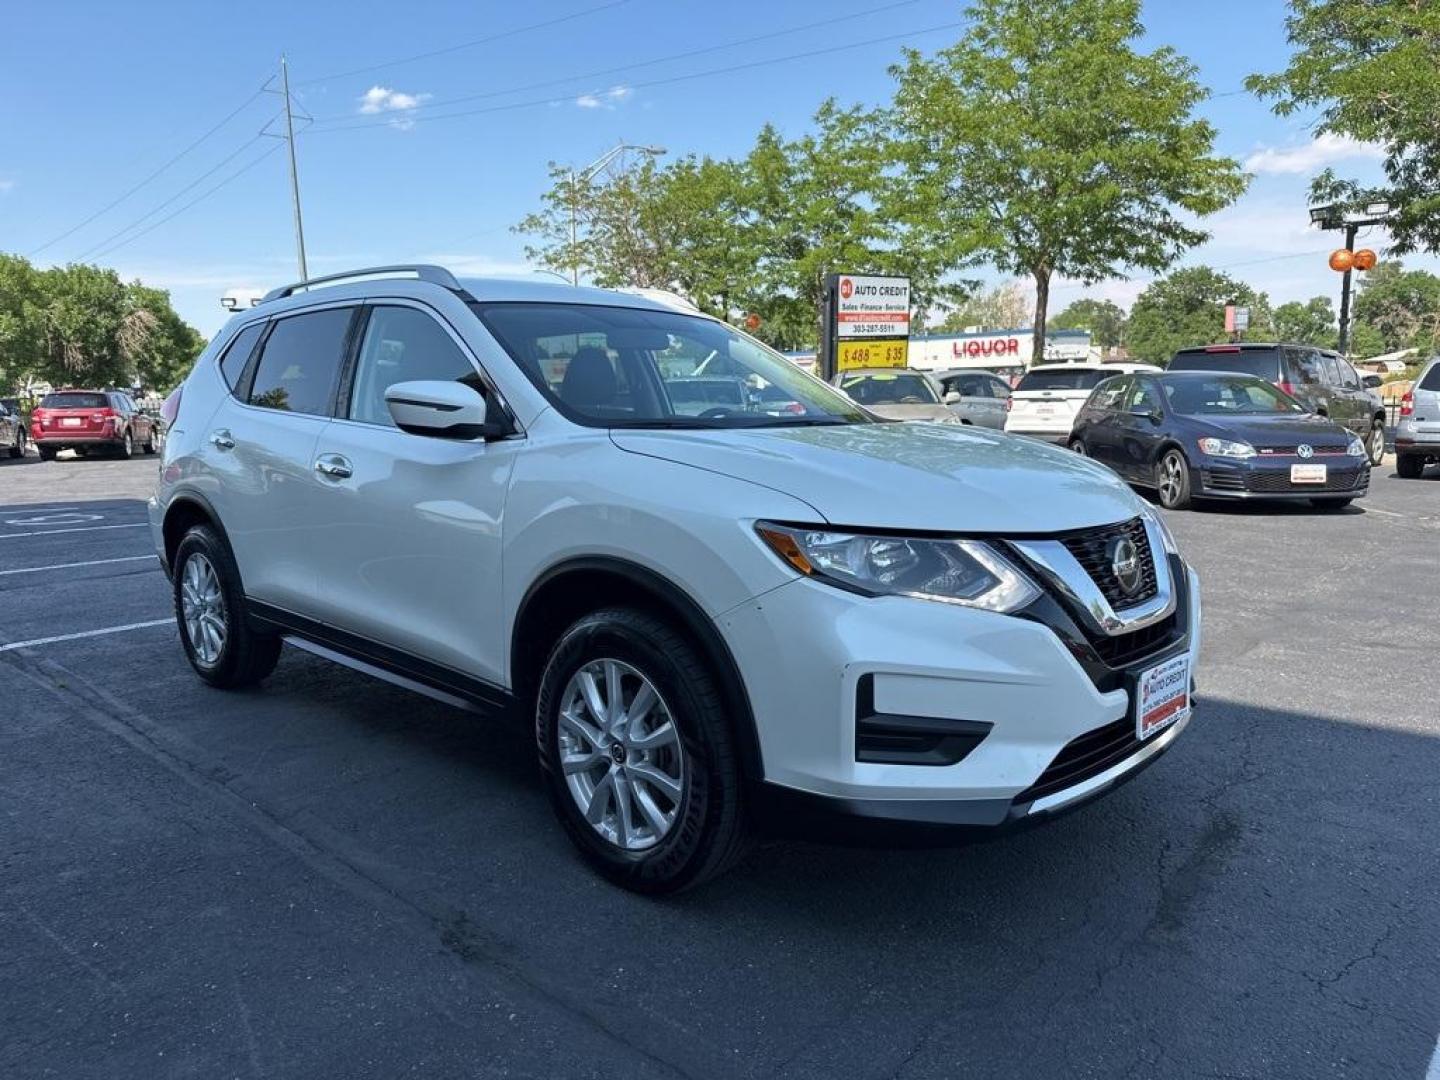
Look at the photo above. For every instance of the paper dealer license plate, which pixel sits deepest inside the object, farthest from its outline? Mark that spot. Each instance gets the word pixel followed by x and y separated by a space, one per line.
pixel 1162 696
pixel 1307 474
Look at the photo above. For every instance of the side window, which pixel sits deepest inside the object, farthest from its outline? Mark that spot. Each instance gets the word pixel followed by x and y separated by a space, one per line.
pixel 402 344
pixel 999 388
pixel 232 364
pixel 1332 370
pixel 1110 395
pixel 1143 397
pixel 1305 368
pixel 1348 378
pixel 298 366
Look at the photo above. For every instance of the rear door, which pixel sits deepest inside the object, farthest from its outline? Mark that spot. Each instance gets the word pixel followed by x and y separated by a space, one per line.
pixel 1341 405
pixel 1142 427
pixel 260 445
pixel 1425 414
pixel 1099 420
pixel 1309 381
pixel 412 527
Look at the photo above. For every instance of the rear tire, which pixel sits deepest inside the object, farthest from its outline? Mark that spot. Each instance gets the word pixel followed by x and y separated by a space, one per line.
pixel 210 612
pixel 125 449
pixel 1409 466
pixel 150 444
pixel 47 453
pixel 693 826
pixel 18 450
pixel 1172 480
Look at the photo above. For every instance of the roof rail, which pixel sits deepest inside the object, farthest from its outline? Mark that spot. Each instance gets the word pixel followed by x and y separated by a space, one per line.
pixel 436 275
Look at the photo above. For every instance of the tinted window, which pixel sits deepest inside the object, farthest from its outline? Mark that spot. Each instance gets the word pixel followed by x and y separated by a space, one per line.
pixel 297 368
pixel 971 386
pixel 1431 381
pixel 73 400
pixel 1060 379
pixel 1143 397
pixel 1227 395
pixel 402 344
pixel 1306 369
pixel 1110 395
pixel 232 364
pixel 1348 378
pixel 890 389
pixel 1332 369
pixel 1262 363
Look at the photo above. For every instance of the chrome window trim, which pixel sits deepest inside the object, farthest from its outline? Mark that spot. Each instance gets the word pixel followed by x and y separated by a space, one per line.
pixel 1059 569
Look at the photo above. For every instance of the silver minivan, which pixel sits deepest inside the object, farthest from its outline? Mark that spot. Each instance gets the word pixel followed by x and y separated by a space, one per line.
pixel 1417 436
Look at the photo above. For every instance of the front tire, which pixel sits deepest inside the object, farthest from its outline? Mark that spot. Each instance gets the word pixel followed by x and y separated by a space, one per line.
pixel 1172 480
pixel 151 443
pixel 1078 446
pixel 18 450
pixel 125 449
pixel 637 754
pixel 210 612
pixel 1409 466
pixel 1375 443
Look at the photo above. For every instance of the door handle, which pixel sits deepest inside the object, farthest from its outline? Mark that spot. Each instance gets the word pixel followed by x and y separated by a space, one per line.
pixel 334 466
pixel 223 439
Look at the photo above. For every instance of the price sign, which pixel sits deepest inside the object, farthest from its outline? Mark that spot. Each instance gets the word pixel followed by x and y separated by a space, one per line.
pixel 871 354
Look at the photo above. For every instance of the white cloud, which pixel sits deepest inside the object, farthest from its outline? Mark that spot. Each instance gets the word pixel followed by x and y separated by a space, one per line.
pixel 616 95
pixel 6 185
pixel 382 99
pixel 1311 157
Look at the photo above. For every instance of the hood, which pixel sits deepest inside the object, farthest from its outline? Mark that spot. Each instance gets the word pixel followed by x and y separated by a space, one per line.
pixel 913 411
pixel 1283 430
pixel 941 477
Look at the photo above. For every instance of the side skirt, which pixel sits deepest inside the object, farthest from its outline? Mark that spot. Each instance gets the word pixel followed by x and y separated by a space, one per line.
pixel 384 662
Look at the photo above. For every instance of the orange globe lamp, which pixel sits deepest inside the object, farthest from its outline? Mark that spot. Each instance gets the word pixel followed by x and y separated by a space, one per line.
pixel 752 322
pixel 1342 259
pixel 1364 259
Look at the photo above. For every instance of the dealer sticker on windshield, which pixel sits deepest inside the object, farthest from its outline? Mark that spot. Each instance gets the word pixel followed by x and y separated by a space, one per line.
pixel 1162 696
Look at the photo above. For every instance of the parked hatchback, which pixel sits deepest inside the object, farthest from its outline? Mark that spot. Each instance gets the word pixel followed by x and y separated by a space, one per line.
pixel 1046 400
pixel 1320 379
pixel 1417 436
pixel 976 397
pixel 86 420
pixel 1208 434
pixel 709 622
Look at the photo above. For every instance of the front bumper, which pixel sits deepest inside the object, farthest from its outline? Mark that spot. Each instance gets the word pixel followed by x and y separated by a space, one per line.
pixel 1034 685
pixel 1269 478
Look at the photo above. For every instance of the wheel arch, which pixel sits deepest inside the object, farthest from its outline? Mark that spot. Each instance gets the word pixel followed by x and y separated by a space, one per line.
pixel 184 512
pixel 572 588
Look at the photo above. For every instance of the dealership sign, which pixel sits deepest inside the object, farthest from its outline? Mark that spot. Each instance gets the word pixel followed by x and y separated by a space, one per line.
pixel 867 321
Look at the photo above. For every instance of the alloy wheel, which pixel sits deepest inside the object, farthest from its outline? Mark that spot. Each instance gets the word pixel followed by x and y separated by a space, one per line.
pixel 1172 480
pixel 1375 445
pixel 202 604
pixel 1078 447
pixel 621 754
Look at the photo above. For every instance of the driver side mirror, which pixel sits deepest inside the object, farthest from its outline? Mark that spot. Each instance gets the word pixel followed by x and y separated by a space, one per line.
pixel 952 397
pixel 1371 382
pixel 1153 415
pixel 443 409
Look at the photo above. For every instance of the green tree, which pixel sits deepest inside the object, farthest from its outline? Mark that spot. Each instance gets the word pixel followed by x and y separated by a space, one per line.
pixel 84 309
pixel 1372 70
pixel 1004 307
pixel 157 345
pixel 1403 306
pixel 1103 318
pixel 1310 323
pixel 1188 308
pixel 1046 141
pixel 22 323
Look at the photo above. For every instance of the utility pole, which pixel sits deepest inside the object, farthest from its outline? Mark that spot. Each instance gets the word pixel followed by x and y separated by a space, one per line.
pixel 584 176
pixel 294 173
pixel 1350 231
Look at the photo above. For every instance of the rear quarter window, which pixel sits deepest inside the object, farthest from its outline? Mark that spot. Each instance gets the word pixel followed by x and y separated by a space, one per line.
pixel 1431 381
pixel 232 363
pixel 1262 363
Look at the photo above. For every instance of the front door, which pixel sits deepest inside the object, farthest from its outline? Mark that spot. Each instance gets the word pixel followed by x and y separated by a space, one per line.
pixel 413 523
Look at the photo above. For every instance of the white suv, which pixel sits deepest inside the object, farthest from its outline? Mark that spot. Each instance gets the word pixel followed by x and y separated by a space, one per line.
pixel 1048 398
pixel 480 490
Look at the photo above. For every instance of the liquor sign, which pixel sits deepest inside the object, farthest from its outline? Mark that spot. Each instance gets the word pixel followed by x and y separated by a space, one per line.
pixel 867 322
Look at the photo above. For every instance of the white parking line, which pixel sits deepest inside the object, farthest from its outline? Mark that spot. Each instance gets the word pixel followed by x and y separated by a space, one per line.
pixel 87 528
pixel 1387 513
pixel 73 565
pixel 29 510
pixel 87 633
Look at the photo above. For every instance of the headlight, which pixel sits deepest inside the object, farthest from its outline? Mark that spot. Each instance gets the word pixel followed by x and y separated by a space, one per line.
pixel 1226 448
pixel 967 572
pixel 1356 448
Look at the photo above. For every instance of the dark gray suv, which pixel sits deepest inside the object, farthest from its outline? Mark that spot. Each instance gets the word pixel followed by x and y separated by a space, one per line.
pixel 1320 379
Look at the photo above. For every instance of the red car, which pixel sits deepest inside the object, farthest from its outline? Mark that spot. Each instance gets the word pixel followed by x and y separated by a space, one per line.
pixel 85 420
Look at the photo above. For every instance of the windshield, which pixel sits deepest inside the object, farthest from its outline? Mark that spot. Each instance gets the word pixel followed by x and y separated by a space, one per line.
pixel 1227 395
pixel 1060 379
pixel 889 388
pixel 73 400
pixel 634 367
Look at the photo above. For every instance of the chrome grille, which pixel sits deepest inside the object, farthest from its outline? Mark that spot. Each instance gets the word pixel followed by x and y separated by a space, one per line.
pixel 1091 549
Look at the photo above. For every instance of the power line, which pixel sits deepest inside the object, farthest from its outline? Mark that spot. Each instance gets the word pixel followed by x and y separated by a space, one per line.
pixel 621 69
pixel 167 202
pixel 198 199
pixel 729 69
pixel 1221 266
pixel 466 44
pixel 117 201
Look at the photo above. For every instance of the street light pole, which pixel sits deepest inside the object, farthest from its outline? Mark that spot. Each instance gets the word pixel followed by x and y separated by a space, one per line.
pixel 294 173
pixel 583 177
pixel 1337 216
pixel 1350 230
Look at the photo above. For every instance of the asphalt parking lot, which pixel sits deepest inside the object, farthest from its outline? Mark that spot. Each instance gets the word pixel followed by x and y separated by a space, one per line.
pixel 330 877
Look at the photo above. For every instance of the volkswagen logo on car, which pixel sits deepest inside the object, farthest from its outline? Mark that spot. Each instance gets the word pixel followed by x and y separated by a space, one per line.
pixel 1305 450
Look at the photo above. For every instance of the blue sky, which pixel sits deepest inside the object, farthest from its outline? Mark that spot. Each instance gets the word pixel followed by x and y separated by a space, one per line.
pixel 101 95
